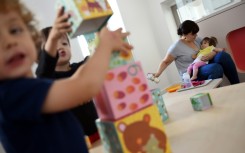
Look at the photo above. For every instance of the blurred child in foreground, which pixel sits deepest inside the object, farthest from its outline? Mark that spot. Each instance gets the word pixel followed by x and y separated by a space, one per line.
pixel 34 113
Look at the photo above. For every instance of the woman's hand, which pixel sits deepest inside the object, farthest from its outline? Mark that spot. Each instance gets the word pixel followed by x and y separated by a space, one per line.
pixel 194 56
pixel 208 57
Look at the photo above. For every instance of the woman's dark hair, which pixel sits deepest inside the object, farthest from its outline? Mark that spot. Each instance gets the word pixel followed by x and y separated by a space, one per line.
pixel 186 27
pixel 212 41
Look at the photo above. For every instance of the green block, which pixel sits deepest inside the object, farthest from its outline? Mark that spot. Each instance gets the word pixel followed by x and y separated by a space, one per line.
pixel 201 101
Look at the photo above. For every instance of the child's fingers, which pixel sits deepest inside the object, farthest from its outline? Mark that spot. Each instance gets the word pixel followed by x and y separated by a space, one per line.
pixel 63 18
pixel 64 27
pixel 126 48
pixel 60 11
pixel 125 34
pixel 65 30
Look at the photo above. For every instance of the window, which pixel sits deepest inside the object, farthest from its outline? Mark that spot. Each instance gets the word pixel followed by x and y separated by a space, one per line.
pixel 197 9
pixel 114 22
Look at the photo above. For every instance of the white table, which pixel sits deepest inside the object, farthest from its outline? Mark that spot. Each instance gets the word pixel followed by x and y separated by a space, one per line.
pixel 220 129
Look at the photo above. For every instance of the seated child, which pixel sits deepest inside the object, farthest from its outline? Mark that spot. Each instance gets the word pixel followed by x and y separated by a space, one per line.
pixel 207 45
pixel 34 112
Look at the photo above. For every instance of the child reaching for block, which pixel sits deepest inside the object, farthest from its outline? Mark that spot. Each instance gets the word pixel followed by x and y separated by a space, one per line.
pixel 55 64
pixel 34 113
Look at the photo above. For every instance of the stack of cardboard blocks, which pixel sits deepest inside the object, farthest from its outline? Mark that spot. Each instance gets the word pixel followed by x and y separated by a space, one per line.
pixel 128 120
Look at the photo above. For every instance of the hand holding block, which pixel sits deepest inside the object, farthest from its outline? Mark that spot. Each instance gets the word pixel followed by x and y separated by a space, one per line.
pixel 124 92
pixel 142 131
pixel 86 15
pixel 201 101
pixel 117 58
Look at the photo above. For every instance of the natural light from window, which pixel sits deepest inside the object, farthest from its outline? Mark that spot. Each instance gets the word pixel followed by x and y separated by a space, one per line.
pixel 197 9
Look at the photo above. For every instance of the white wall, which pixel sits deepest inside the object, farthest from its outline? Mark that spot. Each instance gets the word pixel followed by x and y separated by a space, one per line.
pixel 44 11
pixel 149 25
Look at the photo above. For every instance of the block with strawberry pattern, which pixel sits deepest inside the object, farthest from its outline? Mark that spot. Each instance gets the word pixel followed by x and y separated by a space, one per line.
pixel 124 92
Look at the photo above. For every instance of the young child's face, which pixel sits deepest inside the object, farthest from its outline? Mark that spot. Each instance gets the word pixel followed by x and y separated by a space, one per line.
pixel 17 48
pixel 204 44
pixel 64 51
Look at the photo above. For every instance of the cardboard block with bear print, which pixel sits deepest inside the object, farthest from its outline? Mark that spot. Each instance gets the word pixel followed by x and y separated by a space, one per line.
pixel 158 101
pixel 124 92
pixel 117 58
pixel 142 131
pixel 86 15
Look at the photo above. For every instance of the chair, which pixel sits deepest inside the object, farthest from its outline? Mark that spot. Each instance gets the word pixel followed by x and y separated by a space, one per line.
pixel 236 43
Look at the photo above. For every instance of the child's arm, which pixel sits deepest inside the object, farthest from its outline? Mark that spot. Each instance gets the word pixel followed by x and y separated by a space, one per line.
pixel 61 27
pixel 87 81
pixel 218 49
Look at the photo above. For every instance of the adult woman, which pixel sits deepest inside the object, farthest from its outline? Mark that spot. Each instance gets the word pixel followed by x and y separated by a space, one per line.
pixel 189 44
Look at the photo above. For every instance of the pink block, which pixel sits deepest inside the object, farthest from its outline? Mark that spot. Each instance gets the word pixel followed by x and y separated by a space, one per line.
pixel 124 92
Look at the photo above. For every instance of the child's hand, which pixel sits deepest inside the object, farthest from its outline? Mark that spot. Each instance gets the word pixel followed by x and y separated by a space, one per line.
pixel 61 25
pixel 114 40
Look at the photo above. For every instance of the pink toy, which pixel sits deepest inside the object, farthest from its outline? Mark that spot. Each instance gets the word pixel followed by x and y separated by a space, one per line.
pixel 124 92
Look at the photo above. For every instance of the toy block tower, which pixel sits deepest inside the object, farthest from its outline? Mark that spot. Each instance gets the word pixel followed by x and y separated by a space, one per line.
pixel 129 113
pixel 129 121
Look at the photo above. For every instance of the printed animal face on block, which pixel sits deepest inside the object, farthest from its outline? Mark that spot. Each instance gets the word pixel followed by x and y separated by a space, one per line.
pixel 140 132
pixel 125 91
pixel 141 137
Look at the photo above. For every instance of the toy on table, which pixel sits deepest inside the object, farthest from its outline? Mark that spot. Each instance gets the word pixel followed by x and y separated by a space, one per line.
pixel 201 101
pixel 174 87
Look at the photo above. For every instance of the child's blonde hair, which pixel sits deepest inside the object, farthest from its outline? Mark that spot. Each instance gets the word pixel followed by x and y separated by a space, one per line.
pixel 25 14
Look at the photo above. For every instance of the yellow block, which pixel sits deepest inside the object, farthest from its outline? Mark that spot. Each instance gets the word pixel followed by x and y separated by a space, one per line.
pixel 142 131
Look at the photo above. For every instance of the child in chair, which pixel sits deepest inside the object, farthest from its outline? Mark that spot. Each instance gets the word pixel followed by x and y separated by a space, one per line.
pixel 34 113
pixel 207 45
